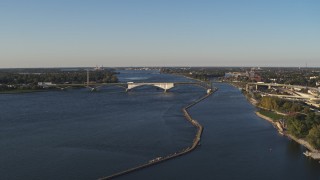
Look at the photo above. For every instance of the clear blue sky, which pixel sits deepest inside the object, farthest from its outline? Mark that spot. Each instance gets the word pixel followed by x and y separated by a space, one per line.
pixel 57 33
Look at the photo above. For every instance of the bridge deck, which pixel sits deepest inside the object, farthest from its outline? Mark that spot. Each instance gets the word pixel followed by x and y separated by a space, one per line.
pixel 125 83
pixel 282 85
pixel 206 85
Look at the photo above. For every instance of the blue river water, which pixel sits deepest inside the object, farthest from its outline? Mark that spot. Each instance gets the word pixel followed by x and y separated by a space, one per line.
pixel 78 134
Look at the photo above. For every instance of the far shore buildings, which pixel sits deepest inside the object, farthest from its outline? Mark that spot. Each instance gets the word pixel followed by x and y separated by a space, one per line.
pixel 97 68
pixel 253 74
pixel 45 84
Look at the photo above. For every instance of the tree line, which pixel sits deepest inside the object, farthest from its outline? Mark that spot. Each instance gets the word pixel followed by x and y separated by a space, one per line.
pixel 13 80
pixel 203 74
pixel 292 76
pixel 301 121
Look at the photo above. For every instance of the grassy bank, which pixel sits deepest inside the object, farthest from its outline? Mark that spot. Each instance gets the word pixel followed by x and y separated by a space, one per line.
pixel 274 116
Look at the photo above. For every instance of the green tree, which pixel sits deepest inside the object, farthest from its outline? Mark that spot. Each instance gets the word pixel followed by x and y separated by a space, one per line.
pixel 297 127
pixel 296 108
pixel 314 136
pixel 286 106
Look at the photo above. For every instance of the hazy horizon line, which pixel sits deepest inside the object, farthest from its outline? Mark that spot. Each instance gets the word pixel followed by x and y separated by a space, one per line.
pixel 183 66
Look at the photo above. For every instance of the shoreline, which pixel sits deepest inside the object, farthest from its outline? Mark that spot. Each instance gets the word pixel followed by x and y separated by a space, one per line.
pixel 312 153
pixel 184 151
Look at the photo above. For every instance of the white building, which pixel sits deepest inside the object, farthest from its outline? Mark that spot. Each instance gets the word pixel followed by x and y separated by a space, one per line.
pixel 45 84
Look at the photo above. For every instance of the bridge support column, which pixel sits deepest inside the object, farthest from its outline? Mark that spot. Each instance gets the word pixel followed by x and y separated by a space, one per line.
pixel 256 87
pixel 269 87
pixel 247 87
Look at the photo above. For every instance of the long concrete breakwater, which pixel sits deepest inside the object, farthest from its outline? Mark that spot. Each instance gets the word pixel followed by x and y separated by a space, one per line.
pixel 184 151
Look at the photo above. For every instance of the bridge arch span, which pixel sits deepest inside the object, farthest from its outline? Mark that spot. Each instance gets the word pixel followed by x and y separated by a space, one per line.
pixel 164 86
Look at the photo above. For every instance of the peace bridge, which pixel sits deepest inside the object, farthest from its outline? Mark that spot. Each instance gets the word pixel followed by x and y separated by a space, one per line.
pixel 131 85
